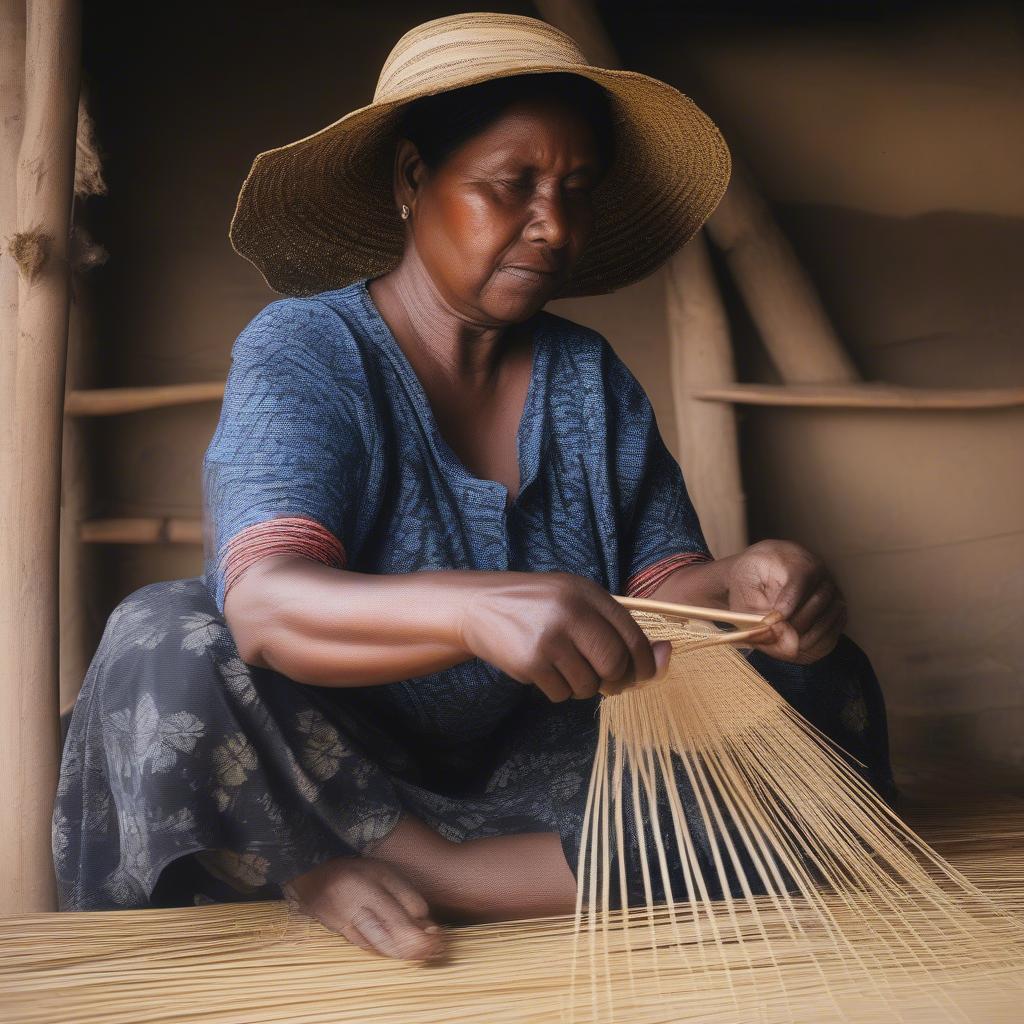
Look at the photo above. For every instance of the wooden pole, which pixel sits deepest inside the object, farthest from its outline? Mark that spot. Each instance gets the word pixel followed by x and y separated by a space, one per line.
pixel 701 356
pixel 700 347
pixel 779 295
pixel 12 120
pixel 30 451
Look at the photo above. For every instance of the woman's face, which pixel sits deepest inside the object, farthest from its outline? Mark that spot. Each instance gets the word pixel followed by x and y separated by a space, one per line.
pixel 514 197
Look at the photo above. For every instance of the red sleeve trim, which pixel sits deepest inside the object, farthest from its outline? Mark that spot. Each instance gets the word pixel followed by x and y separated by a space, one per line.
pixel 644 582
pixel 298 534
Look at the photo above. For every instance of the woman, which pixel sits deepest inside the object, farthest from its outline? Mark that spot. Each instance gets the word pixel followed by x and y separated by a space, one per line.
pixel 423 489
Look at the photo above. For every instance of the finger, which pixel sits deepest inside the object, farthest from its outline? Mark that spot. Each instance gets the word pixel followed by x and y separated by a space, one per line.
pixel 662 658
pixel 817 606
pixel 386 924
pixel 578 673
pixel 797 589
pixel 356 937
pixel 823 636
pixel 622 630
pixel 376 934
pixel 785 646
pixel 391 913
pixel 553 685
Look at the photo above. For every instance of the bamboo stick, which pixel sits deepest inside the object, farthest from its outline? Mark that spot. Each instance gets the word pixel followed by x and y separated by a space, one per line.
pixel 30 453
pixel 870 395
pixel 693 611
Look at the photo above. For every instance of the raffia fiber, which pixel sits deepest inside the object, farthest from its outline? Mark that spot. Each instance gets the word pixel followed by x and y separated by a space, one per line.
pixel 822 868
pixel 900 935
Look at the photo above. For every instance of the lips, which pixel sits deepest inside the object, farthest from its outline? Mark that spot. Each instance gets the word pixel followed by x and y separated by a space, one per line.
pixel 528 273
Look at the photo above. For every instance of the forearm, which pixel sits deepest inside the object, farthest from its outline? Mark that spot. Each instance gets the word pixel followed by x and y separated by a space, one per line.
pixel 699 583
pixel 330 627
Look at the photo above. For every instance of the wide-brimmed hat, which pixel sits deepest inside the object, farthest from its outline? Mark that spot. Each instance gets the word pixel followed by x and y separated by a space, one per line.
pixel 319 213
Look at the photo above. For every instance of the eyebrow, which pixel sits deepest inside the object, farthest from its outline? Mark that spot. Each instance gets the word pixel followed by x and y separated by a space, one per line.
pixel 516 164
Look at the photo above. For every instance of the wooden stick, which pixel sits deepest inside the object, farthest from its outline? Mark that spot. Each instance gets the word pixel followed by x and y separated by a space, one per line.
pixel 871 395
pixel 692 611
pixel 32 404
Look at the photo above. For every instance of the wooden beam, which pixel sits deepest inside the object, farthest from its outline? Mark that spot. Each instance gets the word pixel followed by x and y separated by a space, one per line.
pixel 779 295
pixel 32 399
pixel 870 395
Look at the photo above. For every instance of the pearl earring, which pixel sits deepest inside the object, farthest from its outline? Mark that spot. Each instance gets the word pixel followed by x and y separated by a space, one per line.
pixel 405 212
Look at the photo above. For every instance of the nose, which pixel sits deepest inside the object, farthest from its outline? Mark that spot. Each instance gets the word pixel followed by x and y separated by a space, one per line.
pixel 549 222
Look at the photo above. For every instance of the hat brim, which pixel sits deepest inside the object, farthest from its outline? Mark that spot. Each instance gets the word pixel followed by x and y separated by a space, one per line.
pixel 318 213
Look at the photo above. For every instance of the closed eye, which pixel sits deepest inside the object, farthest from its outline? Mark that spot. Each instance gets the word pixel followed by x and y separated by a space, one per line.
pixel 516 186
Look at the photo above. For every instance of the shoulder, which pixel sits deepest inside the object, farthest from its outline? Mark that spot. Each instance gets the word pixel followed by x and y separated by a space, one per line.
pixel 592 358
pixel 297 334
pixel 571 337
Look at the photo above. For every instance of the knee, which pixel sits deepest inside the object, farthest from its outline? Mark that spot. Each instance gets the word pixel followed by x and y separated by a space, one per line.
pixel 150 628
pixel 846 656
pixel 850 652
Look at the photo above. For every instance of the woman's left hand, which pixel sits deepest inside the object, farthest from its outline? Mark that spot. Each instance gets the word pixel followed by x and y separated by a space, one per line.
pixel 781 575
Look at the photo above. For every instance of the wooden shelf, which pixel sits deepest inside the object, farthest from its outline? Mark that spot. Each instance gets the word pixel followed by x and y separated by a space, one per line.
pixel 863 396
pixel 113 401
pixel 141 530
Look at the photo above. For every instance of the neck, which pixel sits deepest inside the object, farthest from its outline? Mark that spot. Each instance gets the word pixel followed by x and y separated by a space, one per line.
pixel 439 336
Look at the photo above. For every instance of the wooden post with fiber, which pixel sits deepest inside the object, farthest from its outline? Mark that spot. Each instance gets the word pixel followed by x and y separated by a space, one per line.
pixel 40 41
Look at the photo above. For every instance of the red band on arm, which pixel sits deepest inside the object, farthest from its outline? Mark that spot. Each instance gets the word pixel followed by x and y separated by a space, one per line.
pixel 297 534
pixel 643 583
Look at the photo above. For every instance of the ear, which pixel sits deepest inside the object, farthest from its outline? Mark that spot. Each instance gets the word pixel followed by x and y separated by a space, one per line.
pixel 409 173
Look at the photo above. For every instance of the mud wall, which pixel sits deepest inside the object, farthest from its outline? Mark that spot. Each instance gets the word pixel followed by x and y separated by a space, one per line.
pixel 885 144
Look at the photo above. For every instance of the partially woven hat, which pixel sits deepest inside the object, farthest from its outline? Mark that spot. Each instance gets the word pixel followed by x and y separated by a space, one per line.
pixel 319 213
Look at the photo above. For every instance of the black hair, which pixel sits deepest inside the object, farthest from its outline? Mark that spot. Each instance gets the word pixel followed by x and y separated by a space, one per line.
pixel 439 124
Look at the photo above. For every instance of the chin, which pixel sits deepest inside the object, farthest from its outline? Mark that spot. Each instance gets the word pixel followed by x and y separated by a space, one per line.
pixel 523 297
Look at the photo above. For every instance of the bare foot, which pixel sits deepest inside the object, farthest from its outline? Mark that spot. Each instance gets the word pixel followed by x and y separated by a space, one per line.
pixel 371 904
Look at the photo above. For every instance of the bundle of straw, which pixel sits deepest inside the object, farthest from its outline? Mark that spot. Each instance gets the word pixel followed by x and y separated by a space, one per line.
pixel 795 856
pixel 832 909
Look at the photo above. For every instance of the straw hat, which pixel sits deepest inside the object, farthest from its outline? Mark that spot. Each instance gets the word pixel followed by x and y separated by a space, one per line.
pixel 319 213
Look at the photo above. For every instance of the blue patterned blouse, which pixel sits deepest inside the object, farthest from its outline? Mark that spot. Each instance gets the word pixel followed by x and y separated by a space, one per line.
pixel 327 445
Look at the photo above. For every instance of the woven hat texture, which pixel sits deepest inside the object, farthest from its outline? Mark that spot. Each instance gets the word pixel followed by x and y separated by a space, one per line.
pixel 319 213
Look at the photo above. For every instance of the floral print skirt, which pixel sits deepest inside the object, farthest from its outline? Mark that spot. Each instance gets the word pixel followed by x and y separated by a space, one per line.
pixel 189 776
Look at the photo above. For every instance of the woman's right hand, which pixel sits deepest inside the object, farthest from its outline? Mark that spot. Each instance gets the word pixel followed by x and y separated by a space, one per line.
pixel 559 632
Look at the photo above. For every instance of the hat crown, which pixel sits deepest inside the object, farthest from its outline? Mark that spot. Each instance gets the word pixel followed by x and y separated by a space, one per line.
pixel 441 53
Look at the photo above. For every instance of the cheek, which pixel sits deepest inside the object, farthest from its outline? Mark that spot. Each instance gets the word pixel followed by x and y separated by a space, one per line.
pixel 473 230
